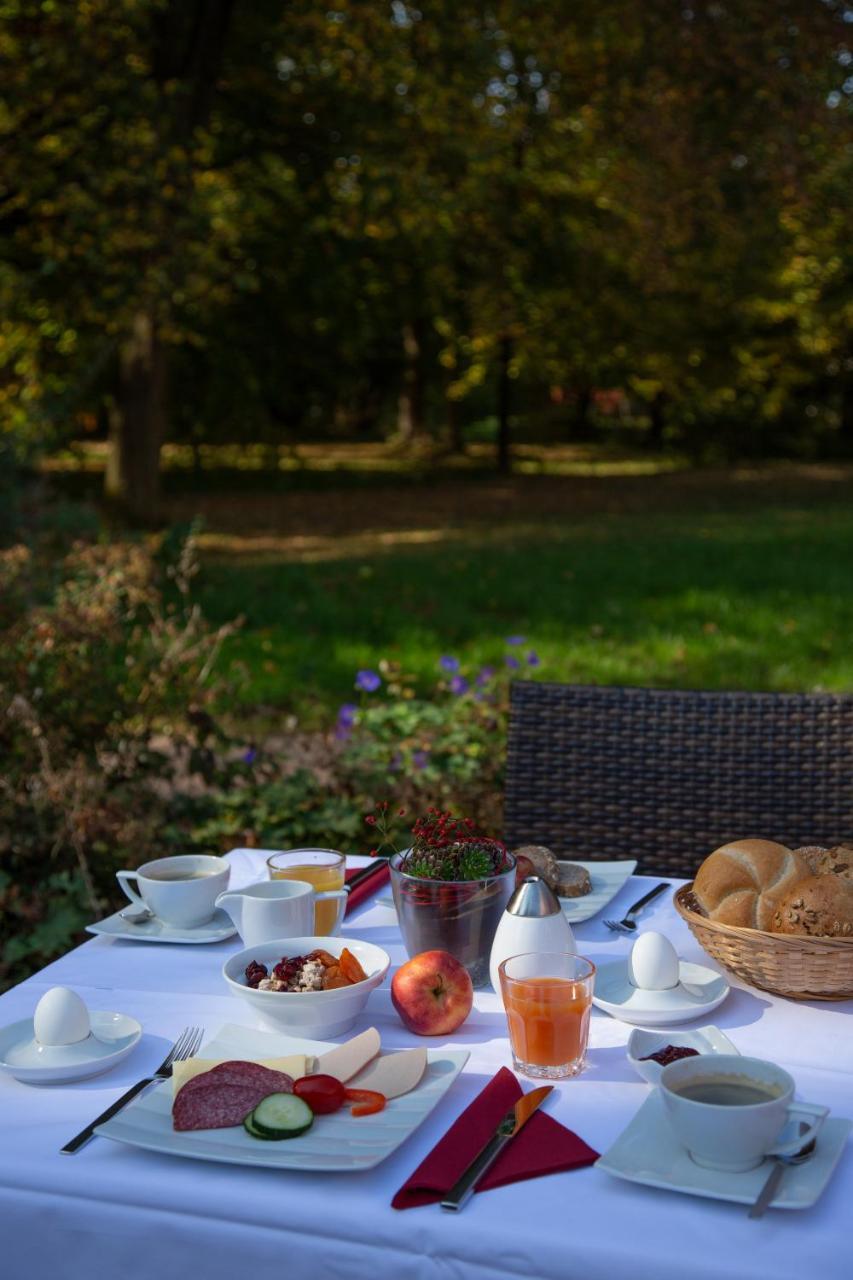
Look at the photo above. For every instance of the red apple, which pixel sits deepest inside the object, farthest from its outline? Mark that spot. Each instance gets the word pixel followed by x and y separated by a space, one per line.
pixel 432 993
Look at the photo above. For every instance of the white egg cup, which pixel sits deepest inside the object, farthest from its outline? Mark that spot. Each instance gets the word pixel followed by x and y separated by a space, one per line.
pixel 653 960
pixel 111 1038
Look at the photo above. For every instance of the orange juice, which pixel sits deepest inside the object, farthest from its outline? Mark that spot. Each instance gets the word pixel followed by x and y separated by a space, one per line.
pixel 548 1000
pixel 548 1020
pixel 323 869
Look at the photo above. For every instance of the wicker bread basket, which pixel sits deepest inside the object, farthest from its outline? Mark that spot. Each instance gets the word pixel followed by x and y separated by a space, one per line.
pixel 797 966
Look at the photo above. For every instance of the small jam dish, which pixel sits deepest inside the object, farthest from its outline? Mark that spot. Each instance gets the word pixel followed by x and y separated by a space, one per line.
pixel 111 1038
pixel 705 1040
pixel 320 1015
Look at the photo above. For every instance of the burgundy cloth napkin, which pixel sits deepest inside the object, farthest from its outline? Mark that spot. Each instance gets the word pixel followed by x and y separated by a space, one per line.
pixel 543 1146
pixel 367 887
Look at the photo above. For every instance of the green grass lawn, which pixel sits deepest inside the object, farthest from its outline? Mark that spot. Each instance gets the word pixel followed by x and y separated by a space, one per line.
pixel 754 597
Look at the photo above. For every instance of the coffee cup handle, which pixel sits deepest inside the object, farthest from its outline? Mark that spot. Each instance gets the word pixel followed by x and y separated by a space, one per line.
pixel 123 877
pixel 801 1111
pixel 334 893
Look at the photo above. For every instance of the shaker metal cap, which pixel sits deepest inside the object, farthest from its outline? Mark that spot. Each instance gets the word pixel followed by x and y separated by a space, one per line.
pixel 534 897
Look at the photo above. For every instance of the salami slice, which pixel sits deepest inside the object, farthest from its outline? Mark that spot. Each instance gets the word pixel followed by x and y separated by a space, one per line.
pixel 218 1107
pixel 226 1094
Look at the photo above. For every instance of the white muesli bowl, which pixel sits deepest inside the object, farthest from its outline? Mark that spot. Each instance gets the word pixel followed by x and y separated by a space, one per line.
pixel 314 1014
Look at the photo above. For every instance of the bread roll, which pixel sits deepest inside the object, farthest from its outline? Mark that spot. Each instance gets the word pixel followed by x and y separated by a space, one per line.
pixel 818 905
pixel 837 861
pixel 743 883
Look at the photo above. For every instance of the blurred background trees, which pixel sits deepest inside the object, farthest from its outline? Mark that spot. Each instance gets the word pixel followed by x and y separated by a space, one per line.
pixel 226 221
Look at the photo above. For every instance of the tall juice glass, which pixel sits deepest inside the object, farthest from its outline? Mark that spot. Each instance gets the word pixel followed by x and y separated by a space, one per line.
pixel 548 999
pixel 322 868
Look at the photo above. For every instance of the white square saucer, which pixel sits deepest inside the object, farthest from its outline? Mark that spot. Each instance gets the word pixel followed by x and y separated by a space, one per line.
pixel 154 930
pixel 648 1152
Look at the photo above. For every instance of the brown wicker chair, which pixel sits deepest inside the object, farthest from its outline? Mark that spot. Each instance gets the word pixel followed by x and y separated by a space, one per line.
pixel 666 776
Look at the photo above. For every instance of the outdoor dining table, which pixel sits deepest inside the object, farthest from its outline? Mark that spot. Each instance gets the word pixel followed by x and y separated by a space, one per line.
pixel 119 1211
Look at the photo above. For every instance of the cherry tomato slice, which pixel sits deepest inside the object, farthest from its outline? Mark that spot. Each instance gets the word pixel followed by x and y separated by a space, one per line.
pixel 367 1101
pixel 323 1094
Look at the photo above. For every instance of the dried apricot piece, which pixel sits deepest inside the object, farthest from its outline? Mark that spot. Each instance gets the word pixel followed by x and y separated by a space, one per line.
pixel 324 958
pixel 333 980
pixel 350 967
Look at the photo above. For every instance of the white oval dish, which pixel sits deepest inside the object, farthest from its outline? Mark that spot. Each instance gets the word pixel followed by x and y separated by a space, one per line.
pixel 307 1013
pixel 112 1038
pixel 699 990
pixel 705 1040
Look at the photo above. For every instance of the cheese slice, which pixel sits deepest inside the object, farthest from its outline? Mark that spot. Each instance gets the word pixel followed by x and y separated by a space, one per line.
pixel 295 1064
pixel 346 1060
pixel 393 1073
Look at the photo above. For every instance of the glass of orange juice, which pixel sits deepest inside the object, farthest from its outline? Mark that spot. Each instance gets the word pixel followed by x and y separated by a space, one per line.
pixel 322 868
pixel 548 999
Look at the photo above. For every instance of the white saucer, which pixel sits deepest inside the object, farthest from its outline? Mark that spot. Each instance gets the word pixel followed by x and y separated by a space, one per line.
pixel 699 991
pixel 705 1040
pixel 648 1152
pixel 154 930
pixel 112 1037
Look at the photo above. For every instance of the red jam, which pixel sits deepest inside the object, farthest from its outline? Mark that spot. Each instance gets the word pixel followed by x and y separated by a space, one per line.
pixel 670 1053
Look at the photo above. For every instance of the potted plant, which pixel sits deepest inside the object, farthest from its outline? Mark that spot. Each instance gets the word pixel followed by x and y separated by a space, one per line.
pixel 451 888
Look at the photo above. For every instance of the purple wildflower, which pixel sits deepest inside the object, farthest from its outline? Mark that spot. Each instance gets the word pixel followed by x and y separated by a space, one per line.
pixel 515 639
pixel 250 756
pixel 420 759
pixel 347 713
pixel 533 658
pixel 368 681
pixel 459 685
pixel 447 663
pixel 511 662
pixel 485 675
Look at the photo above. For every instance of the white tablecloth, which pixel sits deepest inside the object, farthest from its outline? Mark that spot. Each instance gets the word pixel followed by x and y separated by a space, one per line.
pixel 131 1213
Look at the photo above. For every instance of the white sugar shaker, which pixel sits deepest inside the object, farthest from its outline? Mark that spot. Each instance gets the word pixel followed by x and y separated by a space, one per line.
pixel 532 921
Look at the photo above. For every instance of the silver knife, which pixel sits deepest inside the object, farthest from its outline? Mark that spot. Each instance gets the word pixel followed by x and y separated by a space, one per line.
pixel 514 1120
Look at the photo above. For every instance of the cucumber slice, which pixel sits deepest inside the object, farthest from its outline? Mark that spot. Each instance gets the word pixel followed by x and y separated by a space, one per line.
pixel 282 1115
pixel 256 1133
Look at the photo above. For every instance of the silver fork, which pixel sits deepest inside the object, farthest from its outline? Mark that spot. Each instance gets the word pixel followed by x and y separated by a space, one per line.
pixel 187 1044
pixel 626 924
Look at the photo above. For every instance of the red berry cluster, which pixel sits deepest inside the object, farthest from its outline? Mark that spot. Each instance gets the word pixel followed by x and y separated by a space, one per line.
pixel 439 828
pixel 289 968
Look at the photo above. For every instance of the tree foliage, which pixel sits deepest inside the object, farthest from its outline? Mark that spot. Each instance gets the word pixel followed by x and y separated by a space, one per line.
pixel 373 217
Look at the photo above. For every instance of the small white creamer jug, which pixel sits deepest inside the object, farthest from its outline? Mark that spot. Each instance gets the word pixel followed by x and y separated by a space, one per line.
pixel 275 909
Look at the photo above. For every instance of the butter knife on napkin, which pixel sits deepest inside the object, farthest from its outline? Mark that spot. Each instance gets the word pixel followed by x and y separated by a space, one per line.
pixel 511 1124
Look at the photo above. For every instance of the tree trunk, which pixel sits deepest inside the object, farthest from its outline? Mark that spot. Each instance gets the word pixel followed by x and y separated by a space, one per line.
pixel 410 405
pixel 583 404
pixel 504 360
pixel 657 420
pixel 137 423
pixel 454 425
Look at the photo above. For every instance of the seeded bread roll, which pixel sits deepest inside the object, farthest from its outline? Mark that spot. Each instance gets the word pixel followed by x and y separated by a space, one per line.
pixel 821 906
pixel 543 860
pixel 743 883
pixel 572 880
pixel 837 861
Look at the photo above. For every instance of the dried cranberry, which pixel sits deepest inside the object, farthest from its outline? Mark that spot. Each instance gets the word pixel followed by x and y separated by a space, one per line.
pixel 255 973
pixel 670 1053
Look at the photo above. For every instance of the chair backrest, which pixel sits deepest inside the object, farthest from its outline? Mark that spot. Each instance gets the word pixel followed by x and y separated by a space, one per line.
pixel 666 776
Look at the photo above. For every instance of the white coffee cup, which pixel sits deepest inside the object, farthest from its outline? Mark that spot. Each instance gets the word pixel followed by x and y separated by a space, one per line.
pixel 738 1136
pixel 274 909
pixel 181 891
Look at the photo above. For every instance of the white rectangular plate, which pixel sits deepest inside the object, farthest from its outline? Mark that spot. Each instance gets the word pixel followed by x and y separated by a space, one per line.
pixel 648 1152
pixel 607 879
pixel 339 1142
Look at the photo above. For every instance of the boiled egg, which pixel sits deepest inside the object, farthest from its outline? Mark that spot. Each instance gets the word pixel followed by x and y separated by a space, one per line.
pixel 653 963
pixel 60 1018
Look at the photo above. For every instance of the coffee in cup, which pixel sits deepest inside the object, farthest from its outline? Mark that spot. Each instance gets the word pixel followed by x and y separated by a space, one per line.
pixel 729 1112
pixel 181 891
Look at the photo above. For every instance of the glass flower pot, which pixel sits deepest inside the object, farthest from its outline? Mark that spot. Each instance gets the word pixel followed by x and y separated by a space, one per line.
pixel 457 916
